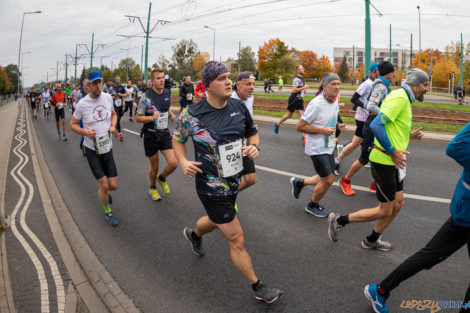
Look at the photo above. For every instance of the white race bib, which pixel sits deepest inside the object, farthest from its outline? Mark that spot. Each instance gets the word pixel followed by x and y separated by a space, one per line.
pixel 331 141
pixel 139 94
pixel 401 174
pixel 102 143
pixel 118 101
pixel 162 121
pixel 60 105
pixel 189 96
pixel 231 158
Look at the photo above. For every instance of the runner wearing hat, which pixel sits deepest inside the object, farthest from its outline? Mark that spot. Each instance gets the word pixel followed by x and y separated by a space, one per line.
pixel 392 131
pixel 99 119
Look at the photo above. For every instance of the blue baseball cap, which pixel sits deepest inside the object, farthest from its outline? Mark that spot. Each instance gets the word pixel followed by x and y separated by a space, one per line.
pixel 94 75
pixel 374 66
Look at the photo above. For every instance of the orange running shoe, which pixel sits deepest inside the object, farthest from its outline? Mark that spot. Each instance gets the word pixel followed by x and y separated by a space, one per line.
pixel 346 187
pixel 372 187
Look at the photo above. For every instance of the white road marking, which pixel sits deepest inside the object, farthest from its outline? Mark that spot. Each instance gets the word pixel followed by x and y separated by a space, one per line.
pixel 407 195
pixel 45 307
pixel 43 286
pixel 131 131
pixel 361 188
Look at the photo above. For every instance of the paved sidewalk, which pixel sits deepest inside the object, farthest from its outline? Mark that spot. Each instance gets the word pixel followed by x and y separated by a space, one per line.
pixel 8 115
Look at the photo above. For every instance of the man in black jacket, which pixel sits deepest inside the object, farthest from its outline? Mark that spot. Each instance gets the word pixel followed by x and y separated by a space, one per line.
pixel 186 93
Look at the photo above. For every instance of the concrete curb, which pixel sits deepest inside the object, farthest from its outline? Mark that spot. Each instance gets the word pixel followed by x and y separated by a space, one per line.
pixel 95 285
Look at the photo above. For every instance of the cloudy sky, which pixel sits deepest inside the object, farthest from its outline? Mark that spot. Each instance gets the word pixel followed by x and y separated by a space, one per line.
pixel 317 25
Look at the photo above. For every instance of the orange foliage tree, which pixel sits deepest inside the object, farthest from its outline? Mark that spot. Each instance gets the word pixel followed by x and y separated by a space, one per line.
pixel 428 56
pixel 199 61
pixel 269 56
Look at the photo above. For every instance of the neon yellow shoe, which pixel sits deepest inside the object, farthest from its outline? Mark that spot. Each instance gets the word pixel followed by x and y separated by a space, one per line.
pixel 154 194
pixel 165 188
pixel 236 208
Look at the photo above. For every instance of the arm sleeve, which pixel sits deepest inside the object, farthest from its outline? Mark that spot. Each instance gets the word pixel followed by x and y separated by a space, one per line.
pixel 378 129
pixel 355 99
pixel 376 97
pixel 78 114
pixel 141 106
pixel 310 113
pixel 250 128
pixel 183 130
pixel 459 148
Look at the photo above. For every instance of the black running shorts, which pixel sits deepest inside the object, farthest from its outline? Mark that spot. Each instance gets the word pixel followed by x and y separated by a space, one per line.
pixel 295 104
pixel 324 164
pixel 59 113
pixel 359 126
pixel 386 180
pixel 154 142
pixel 248 166
pixel 33 105
pixel 101 164
pixel 219 209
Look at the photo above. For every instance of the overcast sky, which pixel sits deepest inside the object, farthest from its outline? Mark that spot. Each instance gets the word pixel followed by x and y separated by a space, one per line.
pixel 318 25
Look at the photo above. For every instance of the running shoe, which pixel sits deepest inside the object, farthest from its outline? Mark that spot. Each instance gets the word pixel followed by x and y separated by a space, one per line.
pixel 111 220
pixel 318 211
pixel 296 186
pixel 333 227
pixel 377 301
pixel 346 187
pixel 130 119
pixel 58 136
pixel 196 245
pixel 367 164
pixel 266 294
pixel 121 138
pixel 236 207
pixel 276 128
pixel 372 187
pixel 337 164
pixel 65 138
pixel 165 188
pixel 379 245
pixel 154 194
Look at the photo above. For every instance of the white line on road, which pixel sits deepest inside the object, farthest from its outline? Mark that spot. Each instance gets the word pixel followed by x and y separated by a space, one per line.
pixel 407 195
pixel 361 188
pixel 43 286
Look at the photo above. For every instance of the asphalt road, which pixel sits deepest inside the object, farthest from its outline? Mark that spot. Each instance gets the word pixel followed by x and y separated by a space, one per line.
pixel 153 263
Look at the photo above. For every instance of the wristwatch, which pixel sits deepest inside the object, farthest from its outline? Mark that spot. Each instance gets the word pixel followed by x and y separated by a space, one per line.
pixel 256 146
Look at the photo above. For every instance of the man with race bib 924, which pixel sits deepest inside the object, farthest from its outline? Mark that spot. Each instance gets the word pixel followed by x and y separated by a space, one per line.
pixel 154 111
pixel 99 121
pixel 217 126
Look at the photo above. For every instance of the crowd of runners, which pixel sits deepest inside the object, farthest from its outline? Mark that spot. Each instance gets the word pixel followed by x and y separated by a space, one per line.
pixel 218 116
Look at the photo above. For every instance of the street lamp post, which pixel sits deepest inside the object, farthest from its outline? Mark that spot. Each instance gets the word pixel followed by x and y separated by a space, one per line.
pixel 213 43
pixel 22 58
pixel 19 50
pixel 419 56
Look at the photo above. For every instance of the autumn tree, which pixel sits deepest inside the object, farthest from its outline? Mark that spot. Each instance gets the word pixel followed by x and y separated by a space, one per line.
pixel 6 85
pixel 199 61
pixel 269 57
pixel 428 58
pixel 309 61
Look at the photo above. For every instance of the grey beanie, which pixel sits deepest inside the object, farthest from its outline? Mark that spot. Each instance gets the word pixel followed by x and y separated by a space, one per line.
pixel 211 71
pixel 416 76
pixel 329 78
